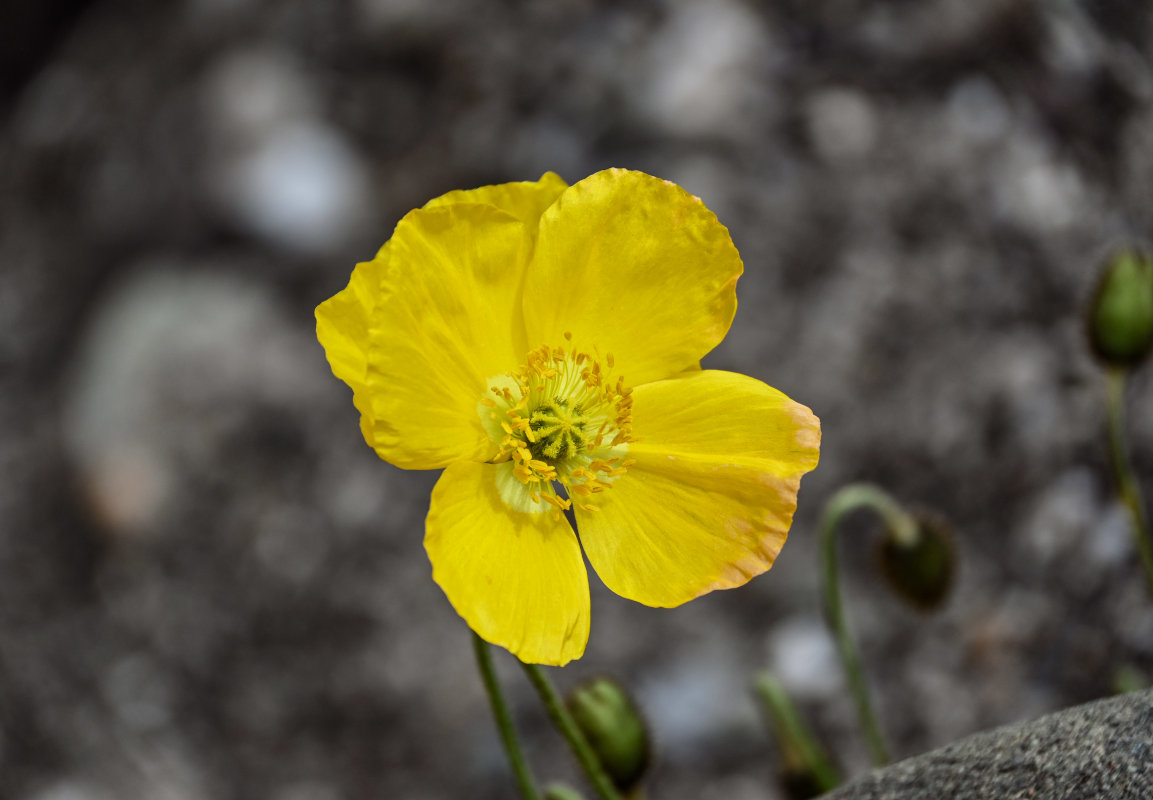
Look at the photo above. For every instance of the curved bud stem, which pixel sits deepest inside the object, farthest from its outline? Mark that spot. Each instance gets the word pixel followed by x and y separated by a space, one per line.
pixel 1127 487
pixel 903 528
pixel 806 765
pixel 560 791
pixel 520 769
pixel 572 733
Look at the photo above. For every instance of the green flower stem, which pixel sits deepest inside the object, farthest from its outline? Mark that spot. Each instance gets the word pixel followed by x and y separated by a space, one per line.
pixel 559 791
pixel 903 527
pixel 797 743
pixel 520 768
pixel 567 726
pixel 1127 486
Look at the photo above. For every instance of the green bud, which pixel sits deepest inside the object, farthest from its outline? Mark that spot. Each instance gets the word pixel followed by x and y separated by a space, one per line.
pixel 614 728
pixel 920 566
pixel 1121 314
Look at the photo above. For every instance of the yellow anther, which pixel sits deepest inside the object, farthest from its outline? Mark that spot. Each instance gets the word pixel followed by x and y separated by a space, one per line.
pixel 525 474
pixel 563 505
pixel 559 413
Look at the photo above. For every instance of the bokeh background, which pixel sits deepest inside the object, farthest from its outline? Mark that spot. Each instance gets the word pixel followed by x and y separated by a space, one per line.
pixel 211 588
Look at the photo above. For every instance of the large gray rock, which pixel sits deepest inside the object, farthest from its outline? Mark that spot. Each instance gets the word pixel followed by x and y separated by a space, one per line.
pixel 1098 750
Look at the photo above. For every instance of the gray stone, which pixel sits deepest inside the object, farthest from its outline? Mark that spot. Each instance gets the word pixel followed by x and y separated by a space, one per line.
pixel 1102 750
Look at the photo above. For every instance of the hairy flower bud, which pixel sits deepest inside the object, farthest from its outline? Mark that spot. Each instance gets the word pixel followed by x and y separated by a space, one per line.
pixel 614 728
pixel 920 568
pixel 1121 313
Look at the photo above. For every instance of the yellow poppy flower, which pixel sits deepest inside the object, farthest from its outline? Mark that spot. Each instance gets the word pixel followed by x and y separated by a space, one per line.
pixel 541 343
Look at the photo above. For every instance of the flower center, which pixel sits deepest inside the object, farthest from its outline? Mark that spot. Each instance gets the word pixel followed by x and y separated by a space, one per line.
pixel 559 430
pixel 560 422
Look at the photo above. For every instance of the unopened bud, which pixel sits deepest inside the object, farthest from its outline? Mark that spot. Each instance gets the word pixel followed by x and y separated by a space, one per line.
pixel 1121 314
pixel 920 566
pixel 614 728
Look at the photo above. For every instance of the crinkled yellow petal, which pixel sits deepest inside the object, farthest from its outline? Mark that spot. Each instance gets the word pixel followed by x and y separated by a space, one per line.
pixel 710 499
pixel 525 200
pixel 637 267
pixel 343 321
pixel 517 579
pixel 446 319
pixel 343 325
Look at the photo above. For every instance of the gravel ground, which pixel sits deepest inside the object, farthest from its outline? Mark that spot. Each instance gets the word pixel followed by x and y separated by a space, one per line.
pixel 209 586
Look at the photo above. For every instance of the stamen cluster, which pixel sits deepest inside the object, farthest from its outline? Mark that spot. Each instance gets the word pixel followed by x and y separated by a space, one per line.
pixel 564 421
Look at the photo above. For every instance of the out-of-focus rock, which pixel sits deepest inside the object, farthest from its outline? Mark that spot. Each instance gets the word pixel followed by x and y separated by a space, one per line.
pixel 278 167
pixel 701 74
pixel 1099 751
pixel 696 702
pixel 804 658
pixel 842 123
pixel 167 368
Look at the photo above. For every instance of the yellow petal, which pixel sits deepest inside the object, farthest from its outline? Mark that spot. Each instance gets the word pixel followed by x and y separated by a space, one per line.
pixel 343 325
pixel 637 267
pixel 343 321
pixel 525 200
pixel 710 499
pixel 448 322
pixel 446 318
pixel 517 579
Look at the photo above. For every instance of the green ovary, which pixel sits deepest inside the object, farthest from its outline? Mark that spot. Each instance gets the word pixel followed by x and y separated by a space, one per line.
pixel 559 430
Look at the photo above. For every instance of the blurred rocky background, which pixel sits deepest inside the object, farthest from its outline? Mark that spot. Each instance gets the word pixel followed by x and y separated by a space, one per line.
pixel 210 588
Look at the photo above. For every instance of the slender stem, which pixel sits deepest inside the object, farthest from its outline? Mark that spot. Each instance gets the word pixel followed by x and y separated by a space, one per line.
pixel 1127 486
pixel 800 749
pixel 568 728
pixel 846 500
pixel 520 768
